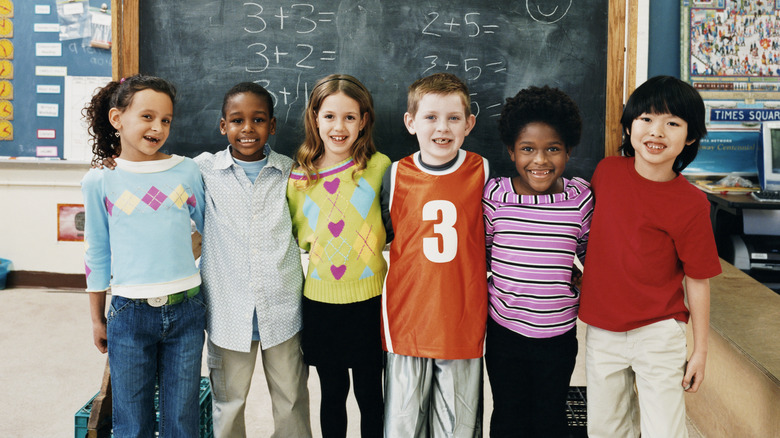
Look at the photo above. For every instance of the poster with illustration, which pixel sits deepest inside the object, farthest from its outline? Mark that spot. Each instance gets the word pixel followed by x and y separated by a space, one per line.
pixel 731 48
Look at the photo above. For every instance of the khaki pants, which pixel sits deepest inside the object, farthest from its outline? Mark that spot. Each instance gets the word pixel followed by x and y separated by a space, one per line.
pixel 639 371
pixel 231 374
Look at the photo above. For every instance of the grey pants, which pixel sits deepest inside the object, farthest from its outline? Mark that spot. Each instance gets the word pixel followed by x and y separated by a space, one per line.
pixel 433 397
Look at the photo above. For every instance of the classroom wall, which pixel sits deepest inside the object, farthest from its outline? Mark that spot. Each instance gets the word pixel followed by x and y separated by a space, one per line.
pixel 29 194
pixel 664 39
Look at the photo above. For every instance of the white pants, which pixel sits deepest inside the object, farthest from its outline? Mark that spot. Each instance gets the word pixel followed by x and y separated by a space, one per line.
pixel 653 359
pixel 231 372
pixel 432 397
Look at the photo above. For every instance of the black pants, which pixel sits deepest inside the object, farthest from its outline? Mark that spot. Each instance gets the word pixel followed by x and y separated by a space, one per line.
pixel 334 383
pixel 530 379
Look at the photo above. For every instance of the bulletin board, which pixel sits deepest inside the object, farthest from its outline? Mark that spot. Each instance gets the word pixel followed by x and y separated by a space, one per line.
pixel 731 49
pixel 44 81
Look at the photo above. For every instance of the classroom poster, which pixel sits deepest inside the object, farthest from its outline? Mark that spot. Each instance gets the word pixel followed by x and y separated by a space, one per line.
pixel 70 222
pixel 731 49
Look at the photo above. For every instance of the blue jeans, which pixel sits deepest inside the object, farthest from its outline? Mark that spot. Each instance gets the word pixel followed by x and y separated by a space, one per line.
pixel 149 344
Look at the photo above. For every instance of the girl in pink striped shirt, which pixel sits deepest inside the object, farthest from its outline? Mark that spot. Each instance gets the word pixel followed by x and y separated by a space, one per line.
pixel 536 223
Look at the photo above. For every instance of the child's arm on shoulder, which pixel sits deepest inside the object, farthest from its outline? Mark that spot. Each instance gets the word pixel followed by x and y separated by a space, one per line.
pixel 384 201
pixel 97 310
pixel 698 291
pixel 107 162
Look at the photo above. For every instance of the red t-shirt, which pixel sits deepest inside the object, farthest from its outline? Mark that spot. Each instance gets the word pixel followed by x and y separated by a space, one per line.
pixel 644 238
pixel 435 304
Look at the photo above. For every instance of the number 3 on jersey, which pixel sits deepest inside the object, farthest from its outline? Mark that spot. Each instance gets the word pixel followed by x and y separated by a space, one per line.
pixel 445 229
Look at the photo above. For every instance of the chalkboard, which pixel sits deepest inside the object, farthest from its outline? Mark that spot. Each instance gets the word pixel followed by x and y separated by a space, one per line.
pixel 497 47
pixel 42 65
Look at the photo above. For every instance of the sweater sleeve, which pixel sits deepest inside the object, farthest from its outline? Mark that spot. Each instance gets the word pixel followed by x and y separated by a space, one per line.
pixel 488 211
pixel 197 210
pixel 384 199
pixel 97 258
pixel 587 215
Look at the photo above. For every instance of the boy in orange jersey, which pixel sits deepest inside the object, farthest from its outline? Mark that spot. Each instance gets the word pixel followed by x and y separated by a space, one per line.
pixel 434 309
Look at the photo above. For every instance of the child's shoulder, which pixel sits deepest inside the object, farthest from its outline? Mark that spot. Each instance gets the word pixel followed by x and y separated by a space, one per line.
pixel 613 161
pixel 380 158
pixel 186 164
pixel 93 176
pixel 497 184
pixel 579 182
pixel 281 161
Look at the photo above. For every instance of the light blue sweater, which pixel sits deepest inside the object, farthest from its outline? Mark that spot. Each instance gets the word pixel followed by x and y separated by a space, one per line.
pixel 137 227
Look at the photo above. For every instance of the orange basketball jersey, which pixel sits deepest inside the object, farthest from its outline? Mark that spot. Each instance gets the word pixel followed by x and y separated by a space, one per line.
pixel 435 304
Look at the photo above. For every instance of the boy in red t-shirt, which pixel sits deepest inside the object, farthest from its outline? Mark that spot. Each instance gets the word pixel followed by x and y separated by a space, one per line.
pixel 650 233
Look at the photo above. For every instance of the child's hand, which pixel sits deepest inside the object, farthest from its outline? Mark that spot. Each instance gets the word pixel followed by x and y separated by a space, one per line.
pixel 99 335
pixel 694 373
pixel 107 162
pixel 576 277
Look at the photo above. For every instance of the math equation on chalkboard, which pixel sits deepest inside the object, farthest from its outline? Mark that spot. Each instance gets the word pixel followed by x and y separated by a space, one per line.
pixel 496 47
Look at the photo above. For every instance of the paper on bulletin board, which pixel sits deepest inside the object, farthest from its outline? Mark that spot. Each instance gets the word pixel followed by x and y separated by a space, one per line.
pixel 78 92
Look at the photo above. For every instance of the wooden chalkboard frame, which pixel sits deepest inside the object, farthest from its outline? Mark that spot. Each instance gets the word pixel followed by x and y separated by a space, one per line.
pixel 125 58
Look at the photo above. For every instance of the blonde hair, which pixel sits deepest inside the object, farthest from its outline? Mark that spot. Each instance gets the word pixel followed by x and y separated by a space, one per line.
pixel 313 148
pixel 437 83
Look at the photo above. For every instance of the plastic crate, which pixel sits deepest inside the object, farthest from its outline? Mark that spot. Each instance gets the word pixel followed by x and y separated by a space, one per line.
pixel 5 267
pixel 577 411
pixel 204 401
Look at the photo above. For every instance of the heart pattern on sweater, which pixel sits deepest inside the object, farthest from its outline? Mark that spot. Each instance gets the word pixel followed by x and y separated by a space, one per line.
pixel 332 185
pixel 338 271
pixel 336 227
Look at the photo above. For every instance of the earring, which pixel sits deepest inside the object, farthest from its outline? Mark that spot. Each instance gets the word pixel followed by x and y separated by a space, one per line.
pixel 116 134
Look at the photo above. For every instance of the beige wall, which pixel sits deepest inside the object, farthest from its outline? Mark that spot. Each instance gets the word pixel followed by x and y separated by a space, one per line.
pixel 29 194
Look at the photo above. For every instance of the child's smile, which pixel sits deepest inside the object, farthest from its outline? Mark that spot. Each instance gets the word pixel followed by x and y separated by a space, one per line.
pixel 540 158
pixel 657 140
pixel 441 125
pixel 247 125
pixel 144 125
pixel 339 123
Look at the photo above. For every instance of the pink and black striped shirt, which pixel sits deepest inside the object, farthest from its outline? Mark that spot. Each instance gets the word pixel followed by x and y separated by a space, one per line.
pixel 531 243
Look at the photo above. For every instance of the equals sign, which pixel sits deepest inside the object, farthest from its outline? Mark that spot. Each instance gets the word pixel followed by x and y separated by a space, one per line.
pixel 330 53
pixel 491 27
pixel 494 106
pixel 329 17
pixel 493 64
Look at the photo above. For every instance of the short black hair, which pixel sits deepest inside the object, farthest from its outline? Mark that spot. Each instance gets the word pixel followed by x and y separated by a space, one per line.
pixel 249 87
pixel 667 95
pixel 550 106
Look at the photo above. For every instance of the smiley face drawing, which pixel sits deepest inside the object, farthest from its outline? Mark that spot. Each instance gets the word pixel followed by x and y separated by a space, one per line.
pixel 547 12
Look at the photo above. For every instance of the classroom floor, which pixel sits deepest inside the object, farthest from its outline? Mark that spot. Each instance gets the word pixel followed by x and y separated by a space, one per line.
pixel 50 369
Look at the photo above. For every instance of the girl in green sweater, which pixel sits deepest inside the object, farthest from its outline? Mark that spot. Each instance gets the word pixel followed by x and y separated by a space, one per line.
pixel 333 194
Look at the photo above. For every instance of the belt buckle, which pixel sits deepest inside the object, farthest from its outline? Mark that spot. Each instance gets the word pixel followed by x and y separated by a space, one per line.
pixel 157 301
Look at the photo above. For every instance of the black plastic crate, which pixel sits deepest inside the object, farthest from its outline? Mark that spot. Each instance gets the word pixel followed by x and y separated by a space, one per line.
pixel 577 411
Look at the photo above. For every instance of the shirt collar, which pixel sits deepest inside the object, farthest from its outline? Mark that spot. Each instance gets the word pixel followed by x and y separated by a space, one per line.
pixel 223 159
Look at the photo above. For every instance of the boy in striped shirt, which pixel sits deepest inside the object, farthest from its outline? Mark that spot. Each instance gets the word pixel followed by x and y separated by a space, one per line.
pixel 536 223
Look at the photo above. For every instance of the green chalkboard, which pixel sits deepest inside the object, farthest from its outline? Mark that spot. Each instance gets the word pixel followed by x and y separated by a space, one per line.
pixel 497 47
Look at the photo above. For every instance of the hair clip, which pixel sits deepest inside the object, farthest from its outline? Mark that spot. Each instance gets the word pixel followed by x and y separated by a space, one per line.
pixel 122 81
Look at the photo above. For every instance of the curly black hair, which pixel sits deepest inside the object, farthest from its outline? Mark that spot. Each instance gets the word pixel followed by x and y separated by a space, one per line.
pixel 547 105
pixel 116 94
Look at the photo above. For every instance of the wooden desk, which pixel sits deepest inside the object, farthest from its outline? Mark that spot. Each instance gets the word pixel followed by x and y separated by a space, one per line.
pixel 734 204
pixel 740 395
